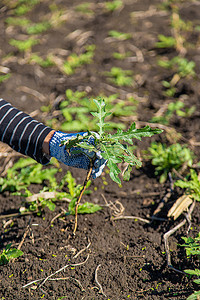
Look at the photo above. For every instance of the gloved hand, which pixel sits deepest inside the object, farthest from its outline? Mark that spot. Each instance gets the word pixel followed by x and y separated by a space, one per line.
pixel 79 160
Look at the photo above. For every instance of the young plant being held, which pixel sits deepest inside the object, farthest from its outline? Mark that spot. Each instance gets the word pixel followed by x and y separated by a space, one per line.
pixel 115 148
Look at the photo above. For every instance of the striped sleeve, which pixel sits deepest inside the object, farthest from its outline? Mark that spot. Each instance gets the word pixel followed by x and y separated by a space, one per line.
pixel 22 133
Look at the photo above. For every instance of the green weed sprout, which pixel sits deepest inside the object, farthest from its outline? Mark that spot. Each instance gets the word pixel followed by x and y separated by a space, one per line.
pixel 192 186
pixel 8 254
pixel 192 248
pixel 167 159
pixel 120 77
pixel 24 46
pixel 113 5
pixel 165 41
pixel 121 36
pixel 115 148
pixel 74 61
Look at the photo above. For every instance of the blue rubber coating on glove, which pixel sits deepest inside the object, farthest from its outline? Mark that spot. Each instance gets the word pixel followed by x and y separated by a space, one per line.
pixel 79 160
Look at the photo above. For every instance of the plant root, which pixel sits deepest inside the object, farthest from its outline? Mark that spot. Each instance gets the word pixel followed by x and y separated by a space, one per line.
pixel 100 287
pixel 79 199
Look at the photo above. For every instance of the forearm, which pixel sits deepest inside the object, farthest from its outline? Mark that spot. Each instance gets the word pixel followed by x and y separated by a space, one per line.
pixel 23 133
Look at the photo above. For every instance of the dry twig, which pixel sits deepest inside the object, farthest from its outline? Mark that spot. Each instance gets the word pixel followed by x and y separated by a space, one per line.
pixel 100 287
pixel 51 275
pixel 170 232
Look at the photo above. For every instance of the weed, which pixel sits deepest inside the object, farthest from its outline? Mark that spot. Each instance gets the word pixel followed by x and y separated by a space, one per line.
pixel 24 6
pixel 192 248
pixel 116 148
pixel 167 159
pixel 25 172
pixel 113 5
pixel 120 77
pixel 165 41
pixel 4 77
pixel 121 56
pixel 16 21
pixel 119 35
pixel 9 253
pixel 38 27
pixel 84 8
pixel 192 186
pixel 24 46
pixel 74 61
pixel 45 63
pixel 177 108
pixel 180 65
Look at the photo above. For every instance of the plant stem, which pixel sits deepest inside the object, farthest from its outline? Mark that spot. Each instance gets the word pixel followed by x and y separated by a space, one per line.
pixel 79 199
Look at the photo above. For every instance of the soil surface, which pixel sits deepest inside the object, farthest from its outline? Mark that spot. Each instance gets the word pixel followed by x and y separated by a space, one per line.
pixel 125 258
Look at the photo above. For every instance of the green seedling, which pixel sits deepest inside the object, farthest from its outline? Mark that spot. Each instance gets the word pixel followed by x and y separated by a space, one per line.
pixel 113 5
pixel 119 35
pixel 24 46
pixel 4 77
pixel 165 41
pixel 167 159
pixel 17 21
pixel 179 65
pixel 120 77
pixel 45 63
pixel 115 148
pixel 170 89
pixel 85 8
pixel 121 56
pixel 174 108
pixel 192 186
pixel 24 6
pixel 8 254
pixel 24 173
pixel 74 61
pixel 38 27
pixel 192 248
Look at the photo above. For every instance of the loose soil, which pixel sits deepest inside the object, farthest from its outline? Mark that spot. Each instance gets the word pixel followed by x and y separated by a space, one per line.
pixel 126 257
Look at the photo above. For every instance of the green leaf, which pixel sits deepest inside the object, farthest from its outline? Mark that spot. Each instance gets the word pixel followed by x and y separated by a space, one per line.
pixel 88 208
pixel 14 253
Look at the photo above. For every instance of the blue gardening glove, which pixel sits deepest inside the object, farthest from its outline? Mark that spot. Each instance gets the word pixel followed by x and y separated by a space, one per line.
pixel 79 160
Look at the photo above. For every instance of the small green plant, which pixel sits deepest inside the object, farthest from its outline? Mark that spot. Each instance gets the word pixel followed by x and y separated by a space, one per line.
pixel 174 108
pixel 192 248
pixel 74 61
pixel 24 6
pixel 192 186
pixel 45 63
pixel 84 8
pixel 24 46
pixel 113 5
pixel 38 27
pixel 116 148
pixel 119 35
pixel 25 172
pixel 121 56
pixel 167 159
pixel 9 253
pixel 4 77
pixel 17 21
pixel 165 41
pixel 120 77
pixel 180 65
